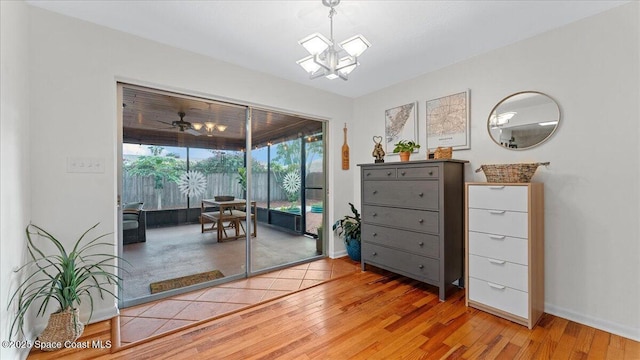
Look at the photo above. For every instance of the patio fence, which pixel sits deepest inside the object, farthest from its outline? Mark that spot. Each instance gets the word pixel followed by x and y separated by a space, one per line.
pixel 141 189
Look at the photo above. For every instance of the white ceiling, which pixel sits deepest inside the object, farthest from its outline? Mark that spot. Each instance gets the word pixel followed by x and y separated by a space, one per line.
pixel 408 38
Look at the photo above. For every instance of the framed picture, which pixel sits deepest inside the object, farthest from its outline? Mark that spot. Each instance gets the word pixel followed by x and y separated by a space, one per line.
pixel 448 121
pixel 400 124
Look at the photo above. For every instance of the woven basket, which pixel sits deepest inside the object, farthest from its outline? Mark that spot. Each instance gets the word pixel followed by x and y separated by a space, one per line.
pixel 63 325
pixel 510 173
pixel 443 153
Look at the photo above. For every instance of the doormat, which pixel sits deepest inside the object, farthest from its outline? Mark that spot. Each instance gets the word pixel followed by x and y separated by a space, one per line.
pixel 176 283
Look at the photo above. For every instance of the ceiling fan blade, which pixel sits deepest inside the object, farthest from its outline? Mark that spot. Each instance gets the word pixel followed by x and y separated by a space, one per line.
pixel 193 132
pixel 164 122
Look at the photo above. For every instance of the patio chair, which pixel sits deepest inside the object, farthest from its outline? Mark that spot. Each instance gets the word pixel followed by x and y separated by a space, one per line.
pixel 134 223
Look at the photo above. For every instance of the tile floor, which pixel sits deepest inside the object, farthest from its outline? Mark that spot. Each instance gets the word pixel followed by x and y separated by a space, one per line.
pixel 146 320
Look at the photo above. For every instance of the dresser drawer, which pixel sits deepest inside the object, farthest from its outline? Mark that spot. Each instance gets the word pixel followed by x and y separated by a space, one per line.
pixel 499 222
pixel 417 243
pixel 416 266
pixel 499 271
pixel 500 197
pixel 499 296
pixel 499 247
pixel 415 194
pixel 416 220
pixel 384 173
pixel 425 172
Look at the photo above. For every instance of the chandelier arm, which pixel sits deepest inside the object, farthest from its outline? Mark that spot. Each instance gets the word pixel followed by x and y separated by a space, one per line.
pixel 353 62
pixel 317 74
pixel 317 60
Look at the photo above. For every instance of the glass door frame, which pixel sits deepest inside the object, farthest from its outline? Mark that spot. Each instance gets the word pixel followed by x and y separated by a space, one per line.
pixel 249 271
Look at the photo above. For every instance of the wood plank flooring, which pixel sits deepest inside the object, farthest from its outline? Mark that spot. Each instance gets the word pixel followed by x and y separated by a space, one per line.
pixel 376 315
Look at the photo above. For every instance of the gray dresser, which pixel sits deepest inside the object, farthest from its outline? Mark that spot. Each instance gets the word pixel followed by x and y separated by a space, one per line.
pixel 413 219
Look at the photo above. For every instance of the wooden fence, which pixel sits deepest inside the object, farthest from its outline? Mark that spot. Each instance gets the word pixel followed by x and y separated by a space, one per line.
pixel 141 189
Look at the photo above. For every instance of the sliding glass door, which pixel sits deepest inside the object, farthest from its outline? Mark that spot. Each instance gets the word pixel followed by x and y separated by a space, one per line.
pixel 288 153
pixel 184 181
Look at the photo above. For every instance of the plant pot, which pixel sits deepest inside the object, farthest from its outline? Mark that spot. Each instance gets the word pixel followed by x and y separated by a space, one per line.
pixel 353 249
pixel 405 155
pixel 63 326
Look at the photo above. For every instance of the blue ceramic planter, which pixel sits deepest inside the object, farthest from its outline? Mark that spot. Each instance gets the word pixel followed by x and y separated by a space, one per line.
pixel 353 249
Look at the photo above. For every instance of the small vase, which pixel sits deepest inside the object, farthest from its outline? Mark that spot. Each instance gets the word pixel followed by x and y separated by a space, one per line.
pixel 353 249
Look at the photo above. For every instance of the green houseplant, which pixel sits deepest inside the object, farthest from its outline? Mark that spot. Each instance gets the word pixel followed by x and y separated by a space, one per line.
pixel 349 227
pixel 405 148
pixel 66 277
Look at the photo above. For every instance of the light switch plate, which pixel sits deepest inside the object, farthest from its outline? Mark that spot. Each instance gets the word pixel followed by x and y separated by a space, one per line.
pixel 85 165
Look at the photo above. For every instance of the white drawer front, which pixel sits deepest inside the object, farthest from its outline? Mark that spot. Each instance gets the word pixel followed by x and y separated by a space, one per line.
pixel 499 272
pixel 499 296
pixel 499 247
pixel 500 197
pixel 499 222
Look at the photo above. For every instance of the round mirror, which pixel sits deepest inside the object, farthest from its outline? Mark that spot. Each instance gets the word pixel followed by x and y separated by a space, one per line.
pixel 523 120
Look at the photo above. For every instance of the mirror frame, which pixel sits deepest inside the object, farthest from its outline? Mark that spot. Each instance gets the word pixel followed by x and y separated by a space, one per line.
pixel 509 97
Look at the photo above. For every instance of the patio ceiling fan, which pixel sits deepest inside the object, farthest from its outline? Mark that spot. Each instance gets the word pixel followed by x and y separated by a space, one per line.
pixel 183 126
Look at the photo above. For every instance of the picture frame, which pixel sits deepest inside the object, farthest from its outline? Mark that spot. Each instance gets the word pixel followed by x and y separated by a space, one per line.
pixel 401 123
pixel 447 121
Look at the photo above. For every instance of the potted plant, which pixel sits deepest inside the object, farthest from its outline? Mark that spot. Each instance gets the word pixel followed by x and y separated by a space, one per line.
pixel 405 148
pixel 67 277
pixel 349 228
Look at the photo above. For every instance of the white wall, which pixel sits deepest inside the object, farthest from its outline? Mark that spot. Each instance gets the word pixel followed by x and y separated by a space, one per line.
pixel 14 155
pixel 74 68
pixel 591 68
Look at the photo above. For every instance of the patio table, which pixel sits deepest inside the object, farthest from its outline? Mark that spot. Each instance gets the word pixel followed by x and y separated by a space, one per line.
pixel 227 213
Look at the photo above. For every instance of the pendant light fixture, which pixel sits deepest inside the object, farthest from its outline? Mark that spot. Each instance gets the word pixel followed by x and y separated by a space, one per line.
pixel 327 60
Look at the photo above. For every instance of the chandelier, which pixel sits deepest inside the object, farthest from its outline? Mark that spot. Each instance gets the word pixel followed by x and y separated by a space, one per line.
pixel 327 60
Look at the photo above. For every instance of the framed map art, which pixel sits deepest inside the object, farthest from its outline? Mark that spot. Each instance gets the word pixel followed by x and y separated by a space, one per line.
pixel 400 124
pixel 448 122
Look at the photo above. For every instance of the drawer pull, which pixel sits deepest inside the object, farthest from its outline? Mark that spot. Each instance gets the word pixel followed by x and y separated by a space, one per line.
pixel 375 192
pixel 497 212
pixel 420 266
pixel 420 243
pixel 402 173
pixel 375 234
pixel 496 286
pixel 421 221
pixel 430 173
pixel 496 187
pixel 497 237
pixel 499 262
pixel 388 173
pixel 374 253
pixel 368 174
pixel 421 194
pixel 374 214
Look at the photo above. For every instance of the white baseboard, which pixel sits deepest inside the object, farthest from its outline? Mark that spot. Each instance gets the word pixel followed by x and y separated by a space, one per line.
pixel 614 328
pixel 98 315
pixel 338 254
pixel 102 314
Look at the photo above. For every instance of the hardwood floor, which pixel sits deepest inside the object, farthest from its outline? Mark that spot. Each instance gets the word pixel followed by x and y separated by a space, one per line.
pixel 375 315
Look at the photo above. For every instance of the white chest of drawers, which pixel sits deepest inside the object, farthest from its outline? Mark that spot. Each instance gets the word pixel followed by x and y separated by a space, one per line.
pixel 413 220
pixel 505 250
